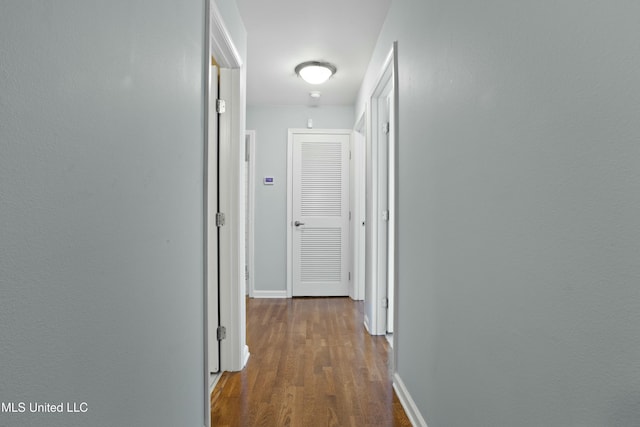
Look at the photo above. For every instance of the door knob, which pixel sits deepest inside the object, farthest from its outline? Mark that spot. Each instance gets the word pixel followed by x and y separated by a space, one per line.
pixel 298 223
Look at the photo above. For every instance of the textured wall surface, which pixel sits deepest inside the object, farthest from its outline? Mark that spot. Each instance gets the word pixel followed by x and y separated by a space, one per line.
pixel 271 125
pixel 519 212
pixel 101 232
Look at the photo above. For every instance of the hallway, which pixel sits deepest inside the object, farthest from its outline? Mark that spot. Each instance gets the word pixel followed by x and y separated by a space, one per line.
pixel 312 364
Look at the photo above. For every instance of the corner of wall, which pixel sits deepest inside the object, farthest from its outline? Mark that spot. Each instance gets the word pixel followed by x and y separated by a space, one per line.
pixel 409 405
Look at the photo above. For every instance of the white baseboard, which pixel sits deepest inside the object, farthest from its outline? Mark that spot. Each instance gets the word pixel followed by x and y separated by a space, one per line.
pixel 366 324
pixel 246 356
pixel 270 294
pixel 213 380
pixel 410 408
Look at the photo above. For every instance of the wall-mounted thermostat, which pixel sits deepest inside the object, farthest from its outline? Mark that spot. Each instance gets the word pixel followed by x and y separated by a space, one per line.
pixel 268 180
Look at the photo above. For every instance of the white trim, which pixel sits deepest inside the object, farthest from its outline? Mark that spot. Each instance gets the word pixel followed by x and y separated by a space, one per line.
pixel 270 294
pixel 212 306
pixel 409 405
pixel 358 208
pixel 375 263
pixel 361 124
pixel 206 83
pixel 290 133
pixel 232 239
pixel 289 289
pixel 366 324
pixel 395 119
pixel 222 47
pixel 246 354
pixel 231 146
pixel 353 220
pixel 213 380
pixel 251 210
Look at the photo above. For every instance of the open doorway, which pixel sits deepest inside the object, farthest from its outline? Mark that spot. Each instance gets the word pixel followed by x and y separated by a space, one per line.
pixel 250 189
pixel 212 290
pixel 224 287
pixel 386 180
pixel 381 203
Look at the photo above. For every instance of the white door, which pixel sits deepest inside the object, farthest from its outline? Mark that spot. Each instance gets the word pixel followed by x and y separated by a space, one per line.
pixel 211 201
pixel 320 214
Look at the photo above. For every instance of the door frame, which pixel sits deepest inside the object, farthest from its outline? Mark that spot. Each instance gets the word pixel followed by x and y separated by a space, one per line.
pixel 234 352
pixel 376 292
pixel 219 44
pixel 208 194
pixel 250 209
pixel 291 133
pixel 358 207
pixel 210 202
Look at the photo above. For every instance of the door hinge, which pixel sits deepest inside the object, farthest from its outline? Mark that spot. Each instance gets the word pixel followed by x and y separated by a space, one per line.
pixel 349 275
pixel 385 215
pixel 219 219
pixel 385 303
pixel 246 272
pixel 221 333
pixel 349 154
pixel 349 215
pixel 386 128
pixel 221 106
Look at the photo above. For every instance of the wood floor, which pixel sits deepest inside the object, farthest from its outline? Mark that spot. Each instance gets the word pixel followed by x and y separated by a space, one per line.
pixel 312 364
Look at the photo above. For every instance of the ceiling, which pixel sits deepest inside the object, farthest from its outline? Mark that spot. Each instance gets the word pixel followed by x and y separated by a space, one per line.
pixel 283 33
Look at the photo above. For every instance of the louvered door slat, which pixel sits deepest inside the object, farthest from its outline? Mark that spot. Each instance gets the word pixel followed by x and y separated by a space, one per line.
pixel 321 178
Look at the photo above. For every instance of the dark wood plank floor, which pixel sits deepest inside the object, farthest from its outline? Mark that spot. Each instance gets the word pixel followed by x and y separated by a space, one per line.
pixel 312 364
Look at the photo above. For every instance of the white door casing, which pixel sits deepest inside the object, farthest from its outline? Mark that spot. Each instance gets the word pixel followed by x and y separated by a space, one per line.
pixel 352 228
pixel 233 349
pixel 358 206
pixel 319 212
pixel 211 201
pixel 390 204
pixel 250 221
pixel 381 213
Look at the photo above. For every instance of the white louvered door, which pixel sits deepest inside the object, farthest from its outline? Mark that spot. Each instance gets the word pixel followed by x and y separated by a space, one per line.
pixel 320 214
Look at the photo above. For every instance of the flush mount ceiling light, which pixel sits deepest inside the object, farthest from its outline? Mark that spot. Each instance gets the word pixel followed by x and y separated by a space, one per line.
pixel 315 72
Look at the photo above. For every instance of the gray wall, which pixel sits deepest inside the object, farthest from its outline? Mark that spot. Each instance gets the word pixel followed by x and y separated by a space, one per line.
pixel 101 211
pixel 519 244
pixel 271 124
pixel 234 25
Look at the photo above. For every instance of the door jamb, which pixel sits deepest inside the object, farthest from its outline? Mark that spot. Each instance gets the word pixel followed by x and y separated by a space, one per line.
pixel 219 44
pixel 388 74
pixel 359 208
pixel 251 155
pixel 233 350
pixel 207 267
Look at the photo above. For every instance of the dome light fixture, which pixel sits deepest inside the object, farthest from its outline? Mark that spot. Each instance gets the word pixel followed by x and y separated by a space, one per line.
pixel 315 72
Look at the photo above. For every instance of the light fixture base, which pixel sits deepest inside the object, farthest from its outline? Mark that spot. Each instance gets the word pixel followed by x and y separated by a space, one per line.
pixel 315 72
